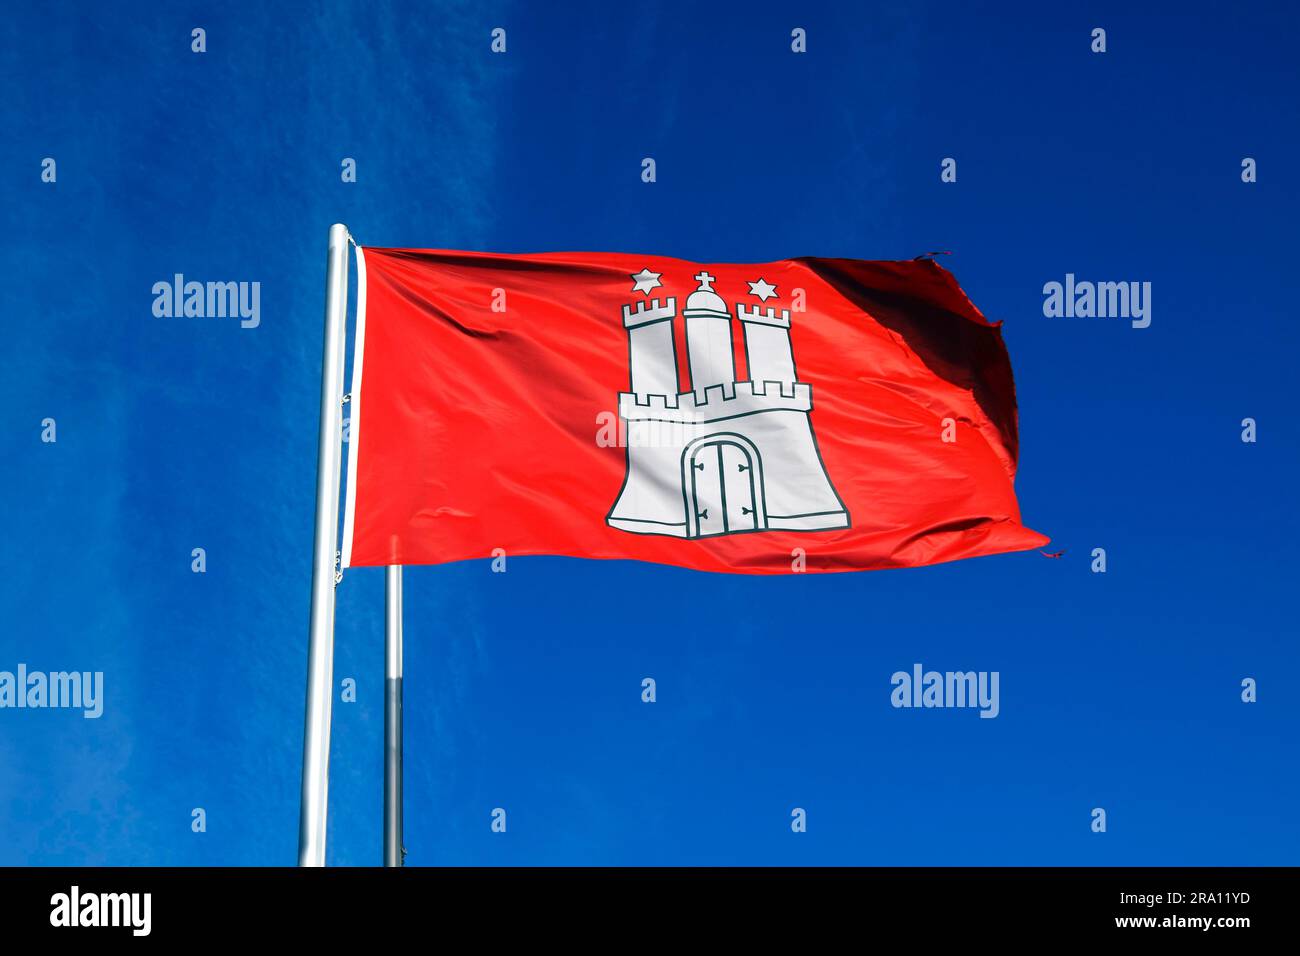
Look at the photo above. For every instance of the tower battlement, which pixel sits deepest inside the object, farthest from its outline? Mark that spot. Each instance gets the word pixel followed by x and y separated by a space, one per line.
pixel 647 312
pixel 717 402
pixel 767 316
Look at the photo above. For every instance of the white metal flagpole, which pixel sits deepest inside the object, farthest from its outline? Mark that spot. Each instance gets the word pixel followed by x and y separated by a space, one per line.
pixel 393 850
pixel 320 652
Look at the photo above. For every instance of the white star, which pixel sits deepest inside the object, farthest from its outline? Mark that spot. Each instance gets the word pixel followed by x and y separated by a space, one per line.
pixel 646 280
pixel 762 289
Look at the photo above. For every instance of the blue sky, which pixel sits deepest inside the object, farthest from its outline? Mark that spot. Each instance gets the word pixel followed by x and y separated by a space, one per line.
pixel 1118 691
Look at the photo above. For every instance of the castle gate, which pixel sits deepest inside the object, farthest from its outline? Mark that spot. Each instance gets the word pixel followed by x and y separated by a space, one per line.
pixel 722 486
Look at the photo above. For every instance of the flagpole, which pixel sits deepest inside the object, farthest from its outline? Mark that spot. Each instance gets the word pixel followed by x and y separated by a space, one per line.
pixel 393 850
pixel 320 650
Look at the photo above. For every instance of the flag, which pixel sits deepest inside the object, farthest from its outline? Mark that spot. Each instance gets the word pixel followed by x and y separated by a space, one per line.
pixel 801 415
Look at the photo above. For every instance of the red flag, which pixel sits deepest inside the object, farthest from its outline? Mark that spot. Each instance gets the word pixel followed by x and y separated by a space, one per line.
pixel 808 414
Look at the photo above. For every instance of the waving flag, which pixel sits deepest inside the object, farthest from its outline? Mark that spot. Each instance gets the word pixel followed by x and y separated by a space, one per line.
pixel 809 414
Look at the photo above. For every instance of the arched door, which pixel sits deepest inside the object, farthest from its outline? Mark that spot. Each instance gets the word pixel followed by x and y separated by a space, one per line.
pixel 722 486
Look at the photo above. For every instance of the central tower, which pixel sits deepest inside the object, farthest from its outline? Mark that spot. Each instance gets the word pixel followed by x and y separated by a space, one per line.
pixel 709 350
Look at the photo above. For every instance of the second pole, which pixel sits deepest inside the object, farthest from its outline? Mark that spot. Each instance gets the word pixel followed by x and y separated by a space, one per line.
pixel 393 850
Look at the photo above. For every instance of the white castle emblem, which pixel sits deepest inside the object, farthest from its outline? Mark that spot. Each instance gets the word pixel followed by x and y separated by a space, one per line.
pixel 738 456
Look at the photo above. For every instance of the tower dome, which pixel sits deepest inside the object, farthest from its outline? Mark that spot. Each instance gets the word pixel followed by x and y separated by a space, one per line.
pixel 704 299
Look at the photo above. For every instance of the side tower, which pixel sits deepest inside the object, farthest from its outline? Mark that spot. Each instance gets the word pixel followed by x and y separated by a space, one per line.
pixel 768 354
pixel 652 354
